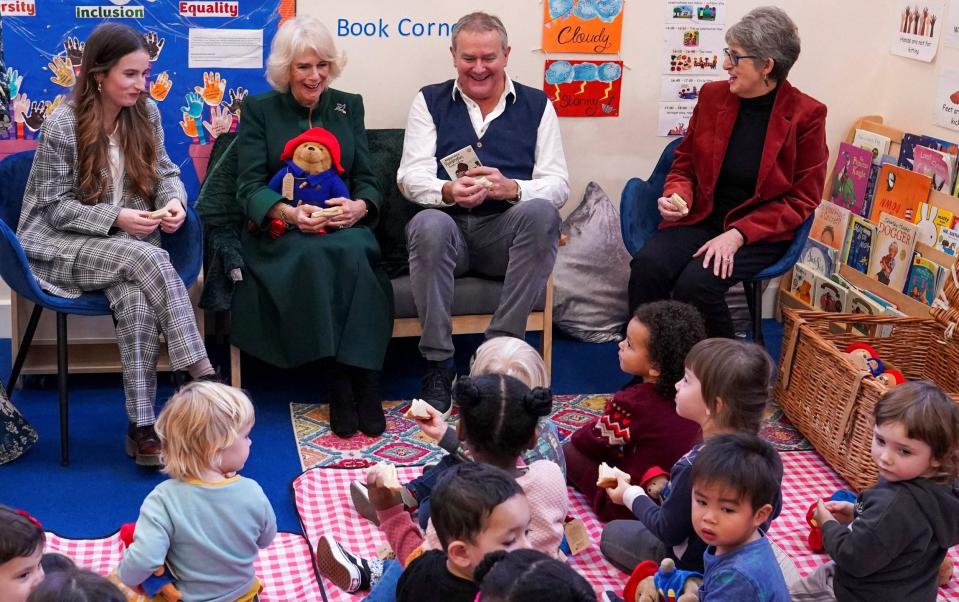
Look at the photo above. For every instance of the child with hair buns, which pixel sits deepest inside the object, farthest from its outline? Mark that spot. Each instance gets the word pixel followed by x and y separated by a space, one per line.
pixel 21 551
pixel 207 522
pixel 525 575
pixel 498 417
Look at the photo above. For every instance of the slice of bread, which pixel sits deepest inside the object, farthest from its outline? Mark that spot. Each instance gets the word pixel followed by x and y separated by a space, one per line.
pixel 328 212
pixel 160 213
pixel 679 203
pixel 608 476
pixel 419 410
pixel 388 471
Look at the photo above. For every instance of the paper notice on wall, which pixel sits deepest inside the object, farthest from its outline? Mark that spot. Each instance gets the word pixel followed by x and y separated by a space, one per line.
pixel 674 118
pixel 226 48
pixel 946 111
pixel 950 28
pixel 692 50
pixel 696 11
pixel 918 29
pixel 676 88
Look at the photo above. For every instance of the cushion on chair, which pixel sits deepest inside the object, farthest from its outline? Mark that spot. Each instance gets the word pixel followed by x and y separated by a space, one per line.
pixel 14 172
pixel 471 295
pixel 592 272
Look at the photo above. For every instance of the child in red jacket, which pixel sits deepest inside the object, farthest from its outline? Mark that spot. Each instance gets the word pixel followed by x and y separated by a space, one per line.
pixel 639 427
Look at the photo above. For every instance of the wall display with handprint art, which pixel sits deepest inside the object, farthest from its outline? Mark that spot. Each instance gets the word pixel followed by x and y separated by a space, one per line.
pixel 43 53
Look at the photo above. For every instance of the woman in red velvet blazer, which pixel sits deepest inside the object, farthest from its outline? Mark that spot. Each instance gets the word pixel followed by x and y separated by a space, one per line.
pixel 750 171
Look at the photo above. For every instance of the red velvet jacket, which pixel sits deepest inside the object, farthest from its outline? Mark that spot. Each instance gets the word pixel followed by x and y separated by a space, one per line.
pixel 791 174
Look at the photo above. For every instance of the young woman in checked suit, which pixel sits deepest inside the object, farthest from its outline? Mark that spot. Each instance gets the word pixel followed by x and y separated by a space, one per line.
pixel 100 171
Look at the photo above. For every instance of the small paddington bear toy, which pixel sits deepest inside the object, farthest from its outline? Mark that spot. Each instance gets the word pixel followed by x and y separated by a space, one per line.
pixel 654 482
pixel 311 173
pixel 651 582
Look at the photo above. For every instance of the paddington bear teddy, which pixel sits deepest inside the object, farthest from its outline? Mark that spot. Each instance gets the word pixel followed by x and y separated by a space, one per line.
pixel 310 174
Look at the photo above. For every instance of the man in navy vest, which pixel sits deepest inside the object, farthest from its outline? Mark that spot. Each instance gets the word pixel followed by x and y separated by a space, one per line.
pixel 500 219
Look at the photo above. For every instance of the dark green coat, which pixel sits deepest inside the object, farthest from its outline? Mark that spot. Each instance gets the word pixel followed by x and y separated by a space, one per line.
pixel 306 297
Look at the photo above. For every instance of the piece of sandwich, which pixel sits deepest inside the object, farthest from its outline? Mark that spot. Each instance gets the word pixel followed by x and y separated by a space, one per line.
pixel 419 410
pixel 679 203
pixel 608 476
pixel 388 472
pixel 160 213
pixel 328 212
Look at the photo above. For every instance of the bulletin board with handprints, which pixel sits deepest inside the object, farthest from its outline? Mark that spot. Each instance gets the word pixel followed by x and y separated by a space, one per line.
pixel 42 54
pixel 584 88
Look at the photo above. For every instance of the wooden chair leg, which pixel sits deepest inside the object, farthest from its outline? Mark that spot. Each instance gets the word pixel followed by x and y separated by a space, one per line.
pixel 24 348
pixel 62 372
pixel 234 366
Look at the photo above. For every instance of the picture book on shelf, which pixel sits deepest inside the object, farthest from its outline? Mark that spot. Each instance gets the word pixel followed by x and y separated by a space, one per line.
pixel 892 251
pixel 922 279
pixel 871 182
pixel 829 295
pixel 829 225
pixel 850 175
pixel 930 220
pixel 803 283
pixel 938 165
pixel 858 302
pixel 858 244
pixel 819 257
pixel 899 193
pixel 876 144
pixel 947 241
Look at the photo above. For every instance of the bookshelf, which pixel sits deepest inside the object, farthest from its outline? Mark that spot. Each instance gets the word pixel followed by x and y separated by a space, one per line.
pixel 909 306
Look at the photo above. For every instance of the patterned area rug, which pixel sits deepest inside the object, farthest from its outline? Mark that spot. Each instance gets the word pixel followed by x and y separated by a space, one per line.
pixel 404 444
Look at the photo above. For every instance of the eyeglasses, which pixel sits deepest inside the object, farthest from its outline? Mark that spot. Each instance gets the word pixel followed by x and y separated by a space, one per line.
pixel 735 58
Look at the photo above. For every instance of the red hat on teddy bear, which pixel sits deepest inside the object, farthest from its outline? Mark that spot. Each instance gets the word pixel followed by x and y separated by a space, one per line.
pixel 319 135
pixel 652 473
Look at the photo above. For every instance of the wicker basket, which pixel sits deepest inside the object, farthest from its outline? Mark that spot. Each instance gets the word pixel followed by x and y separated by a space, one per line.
pixel 945 309
pixel 831 402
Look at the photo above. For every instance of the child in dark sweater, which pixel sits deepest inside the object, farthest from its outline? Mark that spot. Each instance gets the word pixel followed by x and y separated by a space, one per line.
pixel 889 545
pixel 639 428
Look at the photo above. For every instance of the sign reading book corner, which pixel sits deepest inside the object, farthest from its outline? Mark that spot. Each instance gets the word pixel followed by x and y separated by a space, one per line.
pixel 919 27
pixel 585 27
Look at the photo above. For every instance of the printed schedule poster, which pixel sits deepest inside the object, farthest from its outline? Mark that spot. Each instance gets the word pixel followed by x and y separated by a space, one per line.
pixel 584 26
pixel 584 88
pixel 919 27
pixel 205 57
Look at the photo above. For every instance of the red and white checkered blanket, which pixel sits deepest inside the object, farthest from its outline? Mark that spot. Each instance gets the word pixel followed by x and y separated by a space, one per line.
pixel 285 568
pixel 323 502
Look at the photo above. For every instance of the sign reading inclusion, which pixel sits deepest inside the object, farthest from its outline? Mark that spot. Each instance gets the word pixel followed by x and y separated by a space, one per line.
pixel 405 27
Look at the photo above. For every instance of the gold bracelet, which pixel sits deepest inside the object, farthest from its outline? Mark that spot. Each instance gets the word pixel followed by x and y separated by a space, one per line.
pixel 283 214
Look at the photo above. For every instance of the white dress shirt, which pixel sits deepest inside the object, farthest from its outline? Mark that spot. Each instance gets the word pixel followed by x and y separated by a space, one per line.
pixel 416 176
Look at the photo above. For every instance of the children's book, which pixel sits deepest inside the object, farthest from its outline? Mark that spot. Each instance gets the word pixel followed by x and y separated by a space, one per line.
pixel 829 225
pixel 876 144
pixel 907 147
pixel 947 241
pixel 858 244
pixel 899 193
pixel 850 177
pixel 829 295
pixel 871 182
pixel 858 302
pixel 938 165
pixel 820 257
pixel 803 283
pixel 922 279
pixel 892 251
pixel 929 221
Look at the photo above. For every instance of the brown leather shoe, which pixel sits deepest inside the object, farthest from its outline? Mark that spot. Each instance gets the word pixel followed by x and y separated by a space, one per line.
pixel 143 445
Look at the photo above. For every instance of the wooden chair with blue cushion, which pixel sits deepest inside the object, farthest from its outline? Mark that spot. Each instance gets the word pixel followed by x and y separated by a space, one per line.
pixel 184 247
pixel 639 218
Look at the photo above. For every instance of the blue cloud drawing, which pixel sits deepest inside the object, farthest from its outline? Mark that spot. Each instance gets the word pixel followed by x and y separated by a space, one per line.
pixel 609 72
pixel 560 8
pixel 560 72
pixel 585 72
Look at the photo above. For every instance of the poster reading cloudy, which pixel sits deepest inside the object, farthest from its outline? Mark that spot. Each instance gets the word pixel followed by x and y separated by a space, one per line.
pixel 919 27
pixel 584 88
pixel 584 26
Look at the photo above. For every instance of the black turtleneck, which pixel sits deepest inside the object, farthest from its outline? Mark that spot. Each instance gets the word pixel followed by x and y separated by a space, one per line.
pixel 737 178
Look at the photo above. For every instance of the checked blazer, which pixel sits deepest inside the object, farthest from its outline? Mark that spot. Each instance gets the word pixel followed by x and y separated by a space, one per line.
pixel 54 224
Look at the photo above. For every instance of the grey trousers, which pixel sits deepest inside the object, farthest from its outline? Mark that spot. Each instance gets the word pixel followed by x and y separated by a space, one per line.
pixel 518 245
pixel 626 543
pixel 817 586
pixel 147 297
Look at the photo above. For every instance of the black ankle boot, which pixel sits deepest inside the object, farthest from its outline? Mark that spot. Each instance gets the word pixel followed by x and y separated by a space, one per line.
pixel 369 404
pixel 343 417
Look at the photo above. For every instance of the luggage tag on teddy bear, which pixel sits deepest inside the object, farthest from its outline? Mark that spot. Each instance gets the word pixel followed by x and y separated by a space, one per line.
pixel 576 535
pixel 287 187
pixel 384 551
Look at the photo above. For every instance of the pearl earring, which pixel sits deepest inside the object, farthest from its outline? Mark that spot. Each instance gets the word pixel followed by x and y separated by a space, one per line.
pixel 99 86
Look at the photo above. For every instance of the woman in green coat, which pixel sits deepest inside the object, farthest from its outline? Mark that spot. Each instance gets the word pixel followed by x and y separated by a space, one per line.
pixel 306 295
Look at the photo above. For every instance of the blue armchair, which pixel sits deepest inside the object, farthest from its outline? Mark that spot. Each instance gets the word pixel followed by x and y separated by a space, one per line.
pixel 639 218
pixel 184 246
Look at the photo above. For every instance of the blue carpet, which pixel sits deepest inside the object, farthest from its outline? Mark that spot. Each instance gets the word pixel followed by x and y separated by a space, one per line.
pixel 102 488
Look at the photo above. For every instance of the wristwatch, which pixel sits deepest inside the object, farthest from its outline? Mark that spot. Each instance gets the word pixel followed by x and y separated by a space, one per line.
pixel 519 194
